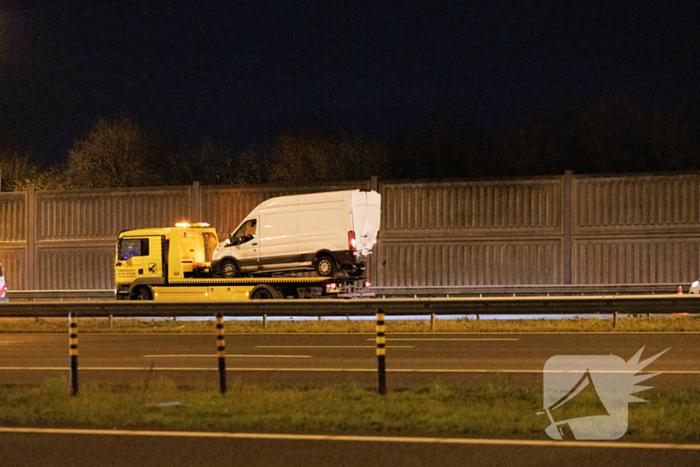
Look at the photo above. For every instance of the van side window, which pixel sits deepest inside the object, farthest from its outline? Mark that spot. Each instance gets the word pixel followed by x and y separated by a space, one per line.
pixel 130 247
pixel 245 233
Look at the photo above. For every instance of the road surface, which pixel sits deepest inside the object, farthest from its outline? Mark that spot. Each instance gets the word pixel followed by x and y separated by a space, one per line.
pixel 412 359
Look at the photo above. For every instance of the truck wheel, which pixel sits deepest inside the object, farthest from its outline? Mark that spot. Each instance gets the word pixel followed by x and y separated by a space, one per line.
pixel 325 266
pixel 229 269
pixel 143 293
pixel 356 272
pixel 265 292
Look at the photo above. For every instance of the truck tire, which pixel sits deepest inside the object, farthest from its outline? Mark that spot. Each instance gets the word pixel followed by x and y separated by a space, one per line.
pixel 325 266
pixel 229 269
pixel 143 293
pixel 265 292
pixel 356 272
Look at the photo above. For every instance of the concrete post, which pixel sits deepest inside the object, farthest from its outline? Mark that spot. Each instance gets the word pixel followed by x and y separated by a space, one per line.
pixel 567 224
pixel 31 229
pixel 196 203
pixel 372 271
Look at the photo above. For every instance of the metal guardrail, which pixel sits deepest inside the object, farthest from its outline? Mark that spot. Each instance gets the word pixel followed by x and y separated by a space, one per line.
pixel 624 304
pixel 491 290
pixel 391 292
pixel 92 294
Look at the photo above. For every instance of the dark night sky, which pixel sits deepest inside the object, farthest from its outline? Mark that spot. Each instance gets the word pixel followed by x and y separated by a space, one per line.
pixel 241 72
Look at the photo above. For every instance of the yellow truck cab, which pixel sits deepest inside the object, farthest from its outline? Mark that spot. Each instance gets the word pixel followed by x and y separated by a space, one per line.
pixel 174 264
pixel 147 258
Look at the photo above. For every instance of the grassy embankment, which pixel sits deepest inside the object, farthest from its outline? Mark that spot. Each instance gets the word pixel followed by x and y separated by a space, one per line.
pixel 97 325
pixel 493 411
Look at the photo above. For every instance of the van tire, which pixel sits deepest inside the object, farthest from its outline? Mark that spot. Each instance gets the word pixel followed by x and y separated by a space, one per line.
pixel 229 269
pixel 325 266
pixel 143 293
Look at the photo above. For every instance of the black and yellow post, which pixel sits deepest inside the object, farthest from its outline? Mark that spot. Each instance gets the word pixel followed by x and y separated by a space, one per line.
pixel 221 352
pixel 381 353
pixel 73 328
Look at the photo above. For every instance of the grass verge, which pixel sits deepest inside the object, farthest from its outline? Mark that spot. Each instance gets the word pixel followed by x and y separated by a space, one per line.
pixel 101 325
pixel 492 411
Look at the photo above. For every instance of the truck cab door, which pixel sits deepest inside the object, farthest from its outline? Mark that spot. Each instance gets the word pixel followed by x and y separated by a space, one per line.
pixel 139 257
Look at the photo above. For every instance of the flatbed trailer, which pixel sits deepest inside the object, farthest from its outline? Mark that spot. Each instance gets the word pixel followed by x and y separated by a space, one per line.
pixel 212 289
pixel 173 264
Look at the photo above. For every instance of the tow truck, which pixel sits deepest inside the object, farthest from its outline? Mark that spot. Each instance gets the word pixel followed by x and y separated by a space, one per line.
pixel 173 264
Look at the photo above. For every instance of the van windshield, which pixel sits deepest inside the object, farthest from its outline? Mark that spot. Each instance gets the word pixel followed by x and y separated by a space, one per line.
pixel 245 233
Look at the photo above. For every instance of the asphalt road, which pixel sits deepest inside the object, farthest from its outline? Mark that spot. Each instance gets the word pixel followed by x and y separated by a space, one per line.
pixel 412 359
pixel 176 450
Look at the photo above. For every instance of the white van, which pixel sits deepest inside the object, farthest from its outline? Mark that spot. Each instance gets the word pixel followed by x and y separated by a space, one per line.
pixel 3 288
pixel 326 232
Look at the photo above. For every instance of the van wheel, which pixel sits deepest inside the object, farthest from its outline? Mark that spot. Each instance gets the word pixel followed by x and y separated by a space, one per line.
pixel 325 266
pixel 229 269
pixel 143 293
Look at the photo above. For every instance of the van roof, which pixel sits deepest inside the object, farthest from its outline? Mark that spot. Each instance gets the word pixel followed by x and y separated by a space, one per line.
pixel 306 197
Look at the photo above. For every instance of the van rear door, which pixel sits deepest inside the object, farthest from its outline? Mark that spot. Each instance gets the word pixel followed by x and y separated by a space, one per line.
pixel 366 216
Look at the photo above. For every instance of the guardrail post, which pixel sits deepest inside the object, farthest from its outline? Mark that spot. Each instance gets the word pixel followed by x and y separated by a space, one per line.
pixel 265 322
pixel 73 328
pixel 615 319
pixel 432 322
pixel 110 321
pixel 381 353
pixel 221 352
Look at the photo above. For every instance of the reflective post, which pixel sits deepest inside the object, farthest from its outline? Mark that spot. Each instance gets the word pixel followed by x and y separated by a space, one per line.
pixel 381 353
pixel 73 328
pixel 221 351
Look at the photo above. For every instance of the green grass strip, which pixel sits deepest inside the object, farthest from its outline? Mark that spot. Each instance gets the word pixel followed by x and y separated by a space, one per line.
pixel 123 325
pixel 494 411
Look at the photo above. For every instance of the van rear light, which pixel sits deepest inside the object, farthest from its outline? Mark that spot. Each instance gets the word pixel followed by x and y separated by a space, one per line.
pixel 368 284
pixel 352 244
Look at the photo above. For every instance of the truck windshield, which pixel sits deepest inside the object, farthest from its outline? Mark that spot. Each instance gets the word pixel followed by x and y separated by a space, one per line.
pixel 130 247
